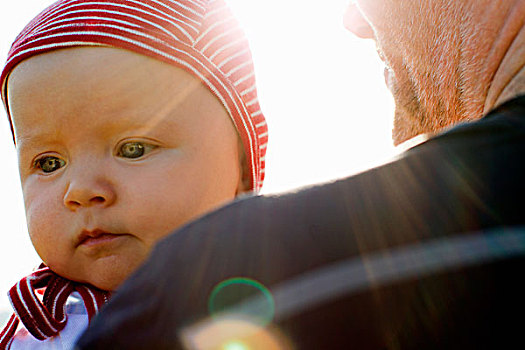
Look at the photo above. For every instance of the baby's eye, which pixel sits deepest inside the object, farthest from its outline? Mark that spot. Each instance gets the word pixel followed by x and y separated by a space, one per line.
pixel 49 164
pixel 134 149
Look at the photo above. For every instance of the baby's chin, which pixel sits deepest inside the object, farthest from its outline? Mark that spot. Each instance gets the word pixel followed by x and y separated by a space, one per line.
pixel 107 275
pixel 113 276
pixel 109 281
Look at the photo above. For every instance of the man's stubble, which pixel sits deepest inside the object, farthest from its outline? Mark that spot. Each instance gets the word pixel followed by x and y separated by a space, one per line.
pixel 426 58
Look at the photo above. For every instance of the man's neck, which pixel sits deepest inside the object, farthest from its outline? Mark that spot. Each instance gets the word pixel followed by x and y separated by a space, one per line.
pixel 509 77
pixel 516 87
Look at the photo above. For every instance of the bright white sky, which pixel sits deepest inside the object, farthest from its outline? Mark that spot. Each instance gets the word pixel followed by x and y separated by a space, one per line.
pixel 321 89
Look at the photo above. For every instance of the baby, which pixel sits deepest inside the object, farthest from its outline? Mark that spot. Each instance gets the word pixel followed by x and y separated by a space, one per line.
pixel 130 118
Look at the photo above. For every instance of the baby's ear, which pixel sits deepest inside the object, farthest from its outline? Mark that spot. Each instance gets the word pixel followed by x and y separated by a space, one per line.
pixel 245 177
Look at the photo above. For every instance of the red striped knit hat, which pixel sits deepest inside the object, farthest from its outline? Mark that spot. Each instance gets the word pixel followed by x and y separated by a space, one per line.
pixel 200 36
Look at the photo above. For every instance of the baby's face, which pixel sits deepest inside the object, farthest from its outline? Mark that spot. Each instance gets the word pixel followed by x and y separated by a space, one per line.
pixel 115 151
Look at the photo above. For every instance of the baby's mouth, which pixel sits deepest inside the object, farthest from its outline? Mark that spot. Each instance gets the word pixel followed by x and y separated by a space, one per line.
pixel 97 236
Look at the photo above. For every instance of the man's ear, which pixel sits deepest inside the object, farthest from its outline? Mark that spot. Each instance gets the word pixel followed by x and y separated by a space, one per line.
pixel 245 177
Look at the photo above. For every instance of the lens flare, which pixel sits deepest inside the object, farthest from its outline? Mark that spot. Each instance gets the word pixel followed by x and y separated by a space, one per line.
pixel 235 345
pixel 227 332
pixel 243 296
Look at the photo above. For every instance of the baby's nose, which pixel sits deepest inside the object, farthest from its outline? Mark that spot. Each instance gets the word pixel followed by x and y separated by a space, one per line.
pixel 88 193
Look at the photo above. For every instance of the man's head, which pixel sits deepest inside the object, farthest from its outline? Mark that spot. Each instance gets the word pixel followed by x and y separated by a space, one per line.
pixel 129 121
pixel 442 56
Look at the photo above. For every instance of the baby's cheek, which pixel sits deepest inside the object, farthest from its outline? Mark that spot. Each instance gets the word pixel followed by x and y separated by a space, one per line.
pixel 152 220
pixel 44 226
